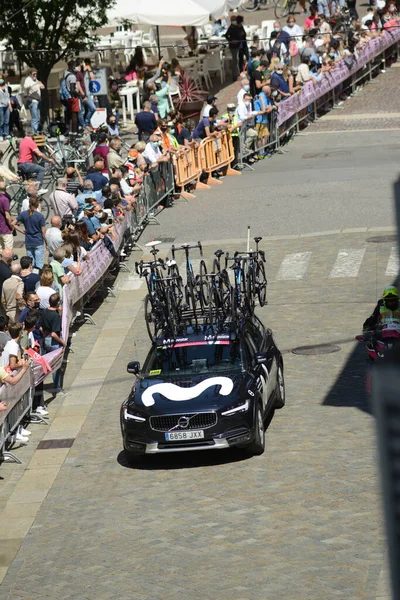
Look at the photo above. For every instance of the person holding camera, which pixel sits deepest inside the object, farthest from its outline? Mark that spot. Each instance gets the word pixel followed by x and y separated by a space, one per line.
pixel 161 91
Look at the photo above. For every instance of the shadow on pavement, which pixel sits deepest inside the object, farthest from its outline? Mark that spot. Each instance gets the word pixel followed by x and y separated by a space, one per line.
pixel 350 387
pixel 185 460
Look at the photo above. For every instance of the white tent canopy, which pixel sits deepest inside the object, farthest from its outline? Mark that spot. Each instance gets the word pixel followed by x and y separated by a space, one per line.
pixel 171 12
pixel 162 12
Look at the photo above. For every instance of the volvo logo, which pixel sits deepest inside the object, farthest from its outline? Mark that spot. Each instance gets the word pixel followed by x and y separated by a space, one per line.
pixel 183 422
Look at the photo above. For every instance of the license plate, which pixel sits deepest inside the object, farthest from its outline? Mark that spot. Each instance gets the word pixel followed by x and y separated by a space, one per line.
pixel 175 436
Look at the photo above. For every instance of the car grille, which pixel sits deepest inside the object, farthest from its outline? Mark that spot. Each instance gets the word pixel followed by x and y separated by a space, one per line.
pixel 197 421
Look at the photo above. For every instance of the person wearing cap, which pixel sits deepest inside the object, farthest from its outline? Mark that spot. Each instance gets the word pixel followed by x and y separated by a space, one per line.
pixel 211 100
pixel 234 127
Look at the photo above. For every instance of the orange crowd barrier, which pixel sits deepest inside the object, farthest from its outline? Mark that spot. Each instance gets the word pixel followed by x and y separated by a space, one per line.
pixel 216 154
pixel 187 168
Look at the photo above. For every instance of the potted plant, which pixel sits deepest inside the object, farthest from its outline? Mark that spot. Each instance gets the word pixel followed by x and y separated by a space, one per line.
pixel 192 97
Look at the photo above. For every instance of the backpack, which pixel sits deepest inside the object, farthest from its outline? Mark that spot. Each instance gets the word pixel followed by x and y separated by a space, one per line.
pixel 275 50
pixel 64 92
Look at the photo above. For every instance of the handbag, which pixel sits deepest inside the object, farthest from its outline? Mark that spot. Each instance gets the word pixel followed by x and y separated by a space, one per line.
pixel 349 62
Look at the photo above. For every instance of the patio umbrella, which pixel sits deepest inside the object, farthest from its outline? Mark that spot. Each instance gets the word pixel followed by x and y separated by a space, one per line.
pixel 161 12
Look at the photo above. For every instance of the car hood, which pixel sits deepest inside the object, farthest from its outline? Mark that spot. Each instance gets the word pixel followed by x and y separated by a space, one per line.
pixel 197 392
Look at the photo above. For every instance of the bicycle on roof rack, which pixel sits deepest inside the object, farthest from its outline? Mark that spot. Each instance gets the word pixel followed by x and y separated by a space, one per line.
pixel 207 302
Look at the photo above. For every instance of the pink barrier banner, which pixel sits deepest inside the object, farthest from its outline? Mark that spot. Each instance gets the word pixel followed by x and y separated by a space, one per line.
pixel 311 92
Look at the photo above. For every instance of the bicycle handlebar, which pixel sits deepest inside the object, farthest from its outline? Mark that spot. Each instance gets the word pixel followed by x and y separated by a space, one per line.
pixel 140 266
pixel 186 248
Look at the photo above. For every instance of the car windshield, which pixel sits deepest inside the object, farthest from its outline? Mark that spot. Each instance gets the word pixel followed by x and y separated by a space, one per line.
pixel 194 359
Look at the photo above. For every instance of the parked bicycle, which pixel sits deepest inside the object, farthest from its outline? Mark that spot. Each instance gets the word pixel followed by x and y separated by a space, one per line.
pixel 283 8
pixel 17 193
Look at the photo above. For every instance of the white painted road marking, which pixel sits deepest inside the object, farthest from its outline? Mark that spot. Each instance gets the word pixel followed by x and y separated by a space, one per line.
pixel 294 266
pixel 348 263
pixel 392 268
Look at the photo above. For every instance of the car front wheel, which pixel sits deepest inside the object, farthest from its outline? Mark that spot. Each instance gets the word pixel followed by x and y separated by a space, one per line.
pixel 280 396
pixel 257 446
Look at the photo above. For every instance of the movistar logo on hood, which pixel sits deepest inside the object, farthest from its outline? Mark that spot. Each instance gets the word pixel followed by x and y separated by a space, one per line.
pixel 178 394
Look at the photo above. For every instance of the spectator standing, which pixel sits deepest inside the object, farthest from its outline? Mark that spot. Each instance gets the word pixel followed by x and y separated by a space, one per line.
pixel 5 265
pixel 35 231
pixel 234 127
pixel 205 128
pixel 246 116
pixel 50 325
pixel 112 125
pixel 53 235
pixel 282 36
pixel 6 228
pixel 211 100
pixel 63 204
pixel 32 301
pixel 4 335
pixel 11 356
pixel 154 106
pixel 292 28
pixel 5 109
pixel 74 181
pixel 244 87
pixel 87 108
pixel 266 106
pixel 146 122
pixel 33 91
pixel 309 22
pixel 12 296
pixel 261 75
pixel 47 285
pixel 162 95
pixel 69 76
pixel 114 159
pixel 95 174
pixel 102 149
pixel 60 278
pixel 29 279
pixel 28 150
pixel 279 82
pixel 236 36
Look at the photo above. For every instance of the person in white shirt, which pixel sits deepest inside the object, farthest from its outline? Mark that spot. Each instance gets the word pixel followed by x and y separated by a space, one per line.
pixel 33 90
pixel 292 28
pixel 12 352
pixel 244 87
pixel 152 152
pixel 369 16
pixel 211 100
pixel 246 115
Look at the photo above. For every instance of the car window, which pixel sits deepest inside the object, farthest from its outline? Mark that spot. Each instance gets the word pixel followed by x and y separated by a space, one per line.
pixel 256 335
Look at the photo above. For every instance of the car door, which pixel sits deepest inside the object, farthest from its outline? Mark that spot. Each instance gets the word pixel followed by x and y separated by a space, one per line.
pixel 271 366
pixel 256 342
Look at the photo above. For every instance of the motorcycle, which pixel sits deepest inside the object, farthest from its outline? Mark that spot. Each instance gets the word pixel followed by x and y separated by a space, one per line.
pixel 380 344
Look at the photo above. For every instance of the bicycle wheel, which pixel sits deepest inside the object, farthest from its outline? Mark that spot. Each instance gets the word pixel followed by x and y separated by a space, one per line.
pixel 202 284
pixel 281 9
pixel 250 290
pixel 261 283
pixel 250 5
pixel 216 266
pixel 224 291
pixel 150 317
pixel 172 313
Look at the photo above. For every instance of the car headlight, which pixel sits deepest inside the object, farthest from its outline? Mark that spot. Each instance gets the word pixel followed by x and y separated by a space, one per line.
pixel 129 415
pixel 236 408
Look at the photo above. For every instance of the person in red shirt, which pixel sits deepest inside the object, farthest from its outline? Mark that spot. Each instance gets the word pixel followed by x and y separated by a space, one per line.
pixel 28 150
pixel 309 22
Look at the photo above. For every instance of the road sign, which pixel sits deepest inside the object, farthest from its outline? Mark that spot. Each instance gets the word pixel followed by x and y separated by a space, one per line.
pixel 98 85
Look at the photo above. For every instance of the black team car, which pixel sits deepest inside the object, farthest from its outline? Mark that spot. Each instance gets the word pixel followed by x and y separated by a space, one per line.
pixel 204 392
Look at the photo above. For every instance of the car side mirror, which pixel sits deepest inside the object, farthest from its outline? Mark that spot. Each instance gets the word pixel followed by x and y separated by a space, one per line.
pixel 260 358
pixel 133 367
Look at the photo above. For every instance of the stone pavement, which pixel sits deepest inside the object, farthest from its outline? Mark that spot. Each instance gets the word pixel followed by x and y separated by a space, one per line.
pixel 303 521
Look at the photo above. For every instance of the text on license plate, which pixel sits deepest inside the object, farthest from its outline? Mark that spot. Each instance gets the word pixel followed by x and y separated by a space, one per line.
pixel 173 436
